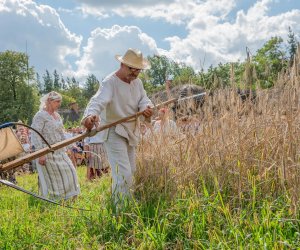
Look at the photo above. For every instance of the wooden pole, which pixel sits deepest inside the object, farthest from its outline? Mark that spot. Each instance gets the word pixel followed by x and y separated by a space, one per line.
pixel 32 156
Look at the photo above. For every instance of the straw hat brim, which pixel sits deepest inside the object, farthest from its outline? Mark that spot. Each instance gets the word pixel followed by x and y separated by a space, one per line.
pixel 144 65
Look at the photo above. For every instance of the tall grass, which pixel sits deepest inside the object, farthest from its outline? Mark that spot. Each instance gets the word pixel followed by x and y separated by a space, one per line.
pixel 251 148
pixel 190 220
pixel 232 185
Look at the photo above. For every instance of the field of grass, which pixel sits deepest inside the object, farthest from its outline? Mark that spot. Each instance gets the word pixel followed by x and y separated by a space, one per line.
pixel 234 184
pixel 187 221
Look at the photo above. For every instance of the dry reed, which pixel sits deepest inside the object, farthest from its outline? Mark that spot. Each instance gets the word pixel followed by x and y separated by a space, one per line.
pixel 239 146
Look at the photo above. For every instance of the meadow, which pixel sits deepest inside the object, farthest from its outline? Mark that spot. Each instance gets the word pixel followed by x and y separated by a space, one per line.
pixel 234 184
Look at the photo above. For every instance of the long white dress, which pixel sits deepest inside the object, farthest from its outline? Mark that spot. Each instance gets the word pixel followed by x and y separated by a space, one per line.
pixel 58 178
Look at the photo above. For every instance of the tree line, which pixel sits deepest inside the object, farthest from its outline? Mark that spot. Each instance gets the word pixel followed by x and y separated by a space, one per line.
pixel 21 87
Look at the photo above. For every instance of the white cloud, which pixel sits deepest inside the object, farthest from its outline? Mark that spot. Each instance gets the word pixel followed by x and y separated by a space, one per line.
pixel 99 53
pixel 87 10
pixel 172 11
pixel 177 12
pixel 118 3
pixel 218 40
pixel 211 35
pixel 49 42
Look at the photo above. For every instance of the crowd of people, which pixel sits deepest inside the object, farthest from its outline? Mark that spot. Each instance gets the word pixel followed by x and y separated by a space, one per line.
pixel 112 150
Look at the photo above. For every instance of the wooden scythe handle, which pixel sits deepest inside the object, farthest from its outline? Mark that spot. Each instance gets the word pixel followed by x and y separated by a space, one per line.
pixel 32 156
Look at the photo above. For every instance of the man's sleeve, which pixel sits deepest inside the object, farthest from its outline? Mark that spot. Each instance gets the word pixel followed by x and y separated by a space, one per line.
pixel 99 101
pixel 144 101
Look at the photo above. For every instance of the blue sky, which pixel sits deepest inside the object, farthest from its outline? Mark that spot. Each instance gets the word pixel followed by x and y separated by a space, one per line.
pixel 82 37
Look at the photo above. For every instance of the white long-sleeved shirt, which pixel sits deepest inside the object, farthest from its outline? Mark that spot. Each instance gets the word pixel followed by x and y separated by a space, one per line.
pixel 115 100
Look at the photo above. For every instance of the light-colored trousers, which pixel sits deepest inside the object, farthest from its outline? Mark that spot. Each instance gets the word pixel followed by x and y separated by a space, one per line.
pixel 121 157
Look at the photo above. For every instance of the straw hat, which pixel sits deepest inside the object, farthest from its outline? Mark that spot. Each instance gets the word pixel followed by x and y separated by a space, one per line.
pixel 134 58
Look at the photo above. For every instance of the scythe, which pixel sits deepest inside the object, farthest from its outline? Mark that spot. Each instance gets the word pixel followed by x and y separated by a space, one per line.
pixel 51 148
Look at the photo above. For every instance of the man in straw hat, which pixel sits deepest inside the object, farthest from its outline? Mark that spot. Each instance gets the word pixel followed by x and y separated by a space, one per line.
pixel 120 95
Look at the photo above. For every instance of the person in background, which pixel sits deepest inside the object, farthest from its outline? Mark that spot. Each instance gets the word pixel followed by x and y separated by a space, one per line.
pixel 79 154
pixel 145 129
pixel 23 136
pixel 73 115
pixel 168 85
pixel 72 148
pixel 163 124
pixel 122 94
pixel 189 125
pixel 57 175
pixel 96 155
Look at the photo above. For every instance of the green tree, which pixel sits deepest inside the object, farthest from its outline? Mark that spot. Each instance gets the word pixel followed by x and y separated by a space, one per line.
pixel 269 60
pixel 91 86
pixel 75 91
pixel 63 83
pixel 56 81
pixel 74 83
pixel 48 82
pixel 292 44
pixel 185 75
pixel 160 67
pixel 18 95
pixel 39 83
pixel 66 100
pixel 214 77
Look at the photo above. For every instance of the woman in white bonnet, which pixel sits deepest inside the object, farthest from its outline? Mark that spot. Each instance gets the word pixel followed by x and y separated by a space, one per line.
pixel 57 175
